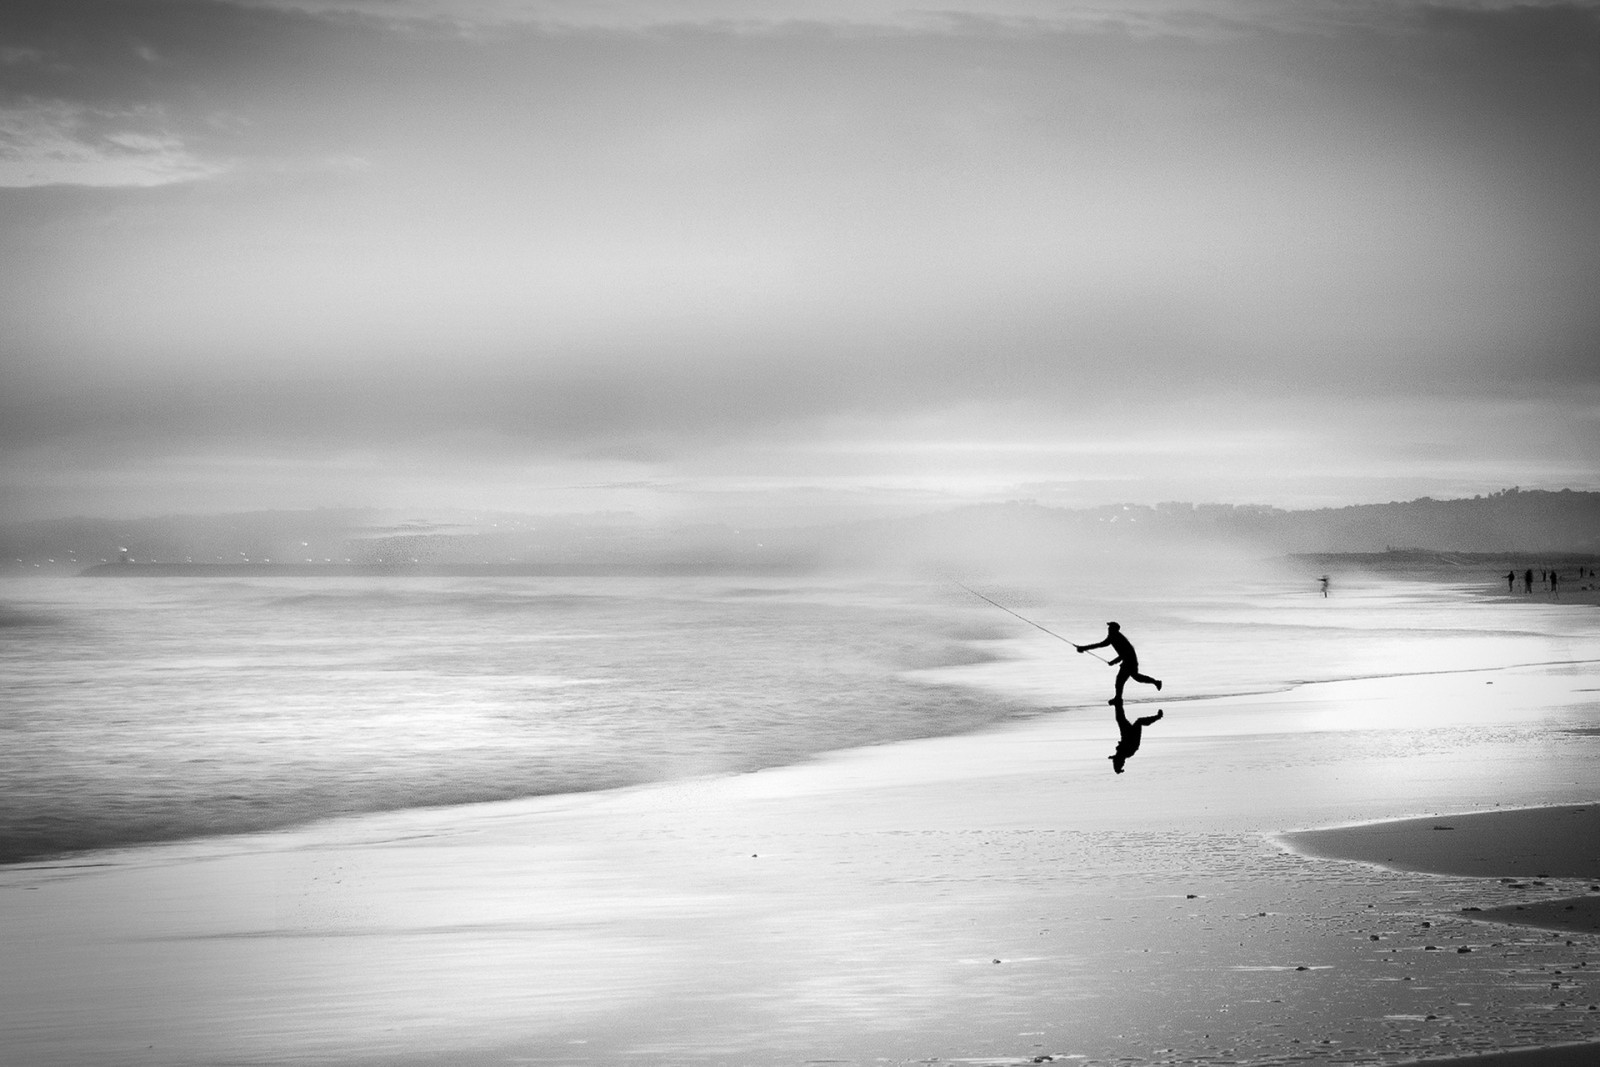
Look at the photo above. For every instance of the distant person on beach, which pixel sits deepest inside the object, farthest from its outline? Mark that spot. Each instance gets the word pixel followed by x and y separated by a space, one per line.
pixel 1511 581
pixel 1128 744
pixel 1324 581
pixel 1554 582
pixel 1125 656
pixel 1527 580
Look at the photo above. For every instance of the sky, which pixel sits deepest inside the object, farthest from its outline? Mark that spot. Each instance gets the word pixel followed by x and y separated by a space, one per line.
pixel 741 260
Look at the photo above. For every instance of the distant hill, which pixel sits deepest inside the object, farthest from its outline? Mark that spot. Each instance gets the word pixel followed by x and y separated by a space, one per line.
pixel 1513 522
pixel 1525 521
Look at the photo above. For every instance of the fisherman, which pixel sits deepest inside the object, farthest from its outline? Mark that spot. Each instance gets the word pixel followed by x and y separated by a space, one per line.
pixel 1125 656
pixel 1131 731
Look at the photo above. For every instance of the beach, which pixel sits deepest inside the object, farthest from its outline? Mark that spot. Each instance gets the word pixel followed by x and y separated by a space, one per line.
pixel 996 896
pixel 645 533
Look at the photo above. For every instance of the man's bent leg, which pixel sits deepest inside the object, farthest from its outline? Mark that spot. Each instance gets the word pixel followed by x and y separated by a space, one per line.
pixel 1147 680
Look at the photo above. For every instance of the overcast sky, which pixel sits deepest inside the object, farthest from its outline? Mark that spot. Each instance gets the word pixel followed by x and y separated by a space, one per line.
pixel 741 258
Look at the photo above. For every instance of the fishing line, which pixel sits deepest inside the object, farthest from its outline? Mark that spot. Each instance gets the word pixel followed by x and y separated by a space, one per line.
pixel 1025 619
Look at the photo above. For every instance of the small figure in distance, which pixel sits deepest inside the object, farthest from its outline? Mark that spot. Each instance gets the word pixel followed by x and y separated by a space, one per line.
pixel 1128 744
pixel 1125 656
pixel 1511 581
pixel 1527 580
pixel 1324 581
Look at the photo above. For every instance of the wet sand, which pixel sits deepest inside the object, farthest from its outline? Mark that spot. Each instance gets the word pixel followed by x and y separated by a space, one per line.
pixel 1584 595
pixel 1541 842
pixel 1523 849
pixel 991 898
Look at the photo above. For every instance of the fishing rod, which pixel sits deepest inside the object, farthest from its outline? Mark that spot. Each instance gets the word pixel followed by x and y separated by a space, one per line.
pixel 1025 619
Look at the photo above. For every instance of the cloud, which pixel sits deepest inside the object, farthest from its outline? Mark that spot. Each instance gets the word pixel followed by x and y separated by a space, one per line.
pixel 582 235
pixel 1205 17
pixel 138 93
pixel 56 143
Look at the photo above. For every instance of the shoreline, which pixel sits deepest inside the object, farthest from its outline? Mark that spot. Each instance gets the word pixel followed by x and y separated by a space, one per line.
pixel 1295 692
pixel 1586 596
pixel 996 896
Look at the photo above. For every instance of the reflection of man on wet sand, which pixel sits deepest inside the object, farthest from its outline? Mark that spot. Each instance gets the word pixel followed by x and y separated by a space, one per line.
pixel 1131 732
pixel 1125 656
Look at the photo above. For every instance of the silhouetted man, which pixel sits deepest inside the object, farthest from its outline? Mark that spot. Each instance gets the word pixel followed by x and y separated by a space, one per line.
pixel 1125 656
pixel 1131 732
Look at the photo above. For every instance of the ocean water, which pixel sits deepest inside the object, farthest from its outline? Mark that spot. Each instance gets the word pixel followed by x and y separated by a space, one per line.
pixel 140 710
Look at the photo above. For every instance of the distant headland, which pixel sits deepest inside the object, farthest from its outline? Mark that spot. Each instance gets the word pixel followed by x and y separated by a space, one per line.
pixel 1528 528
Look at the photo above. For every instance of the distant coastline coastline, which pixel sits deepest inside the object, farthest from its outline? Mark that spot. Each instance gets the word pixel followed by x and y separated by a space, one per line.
pixel 691 569
pixel 1392 560
pixel 1524 529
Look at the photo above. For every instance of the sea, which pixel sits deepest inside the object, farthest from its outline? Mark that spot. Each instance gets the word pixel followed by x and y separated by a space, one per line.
pixel 139 710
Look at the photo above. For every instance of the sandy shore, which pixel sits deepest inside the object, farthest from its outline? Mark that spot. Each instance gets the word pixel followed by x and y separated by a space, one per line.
pixel 995 898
